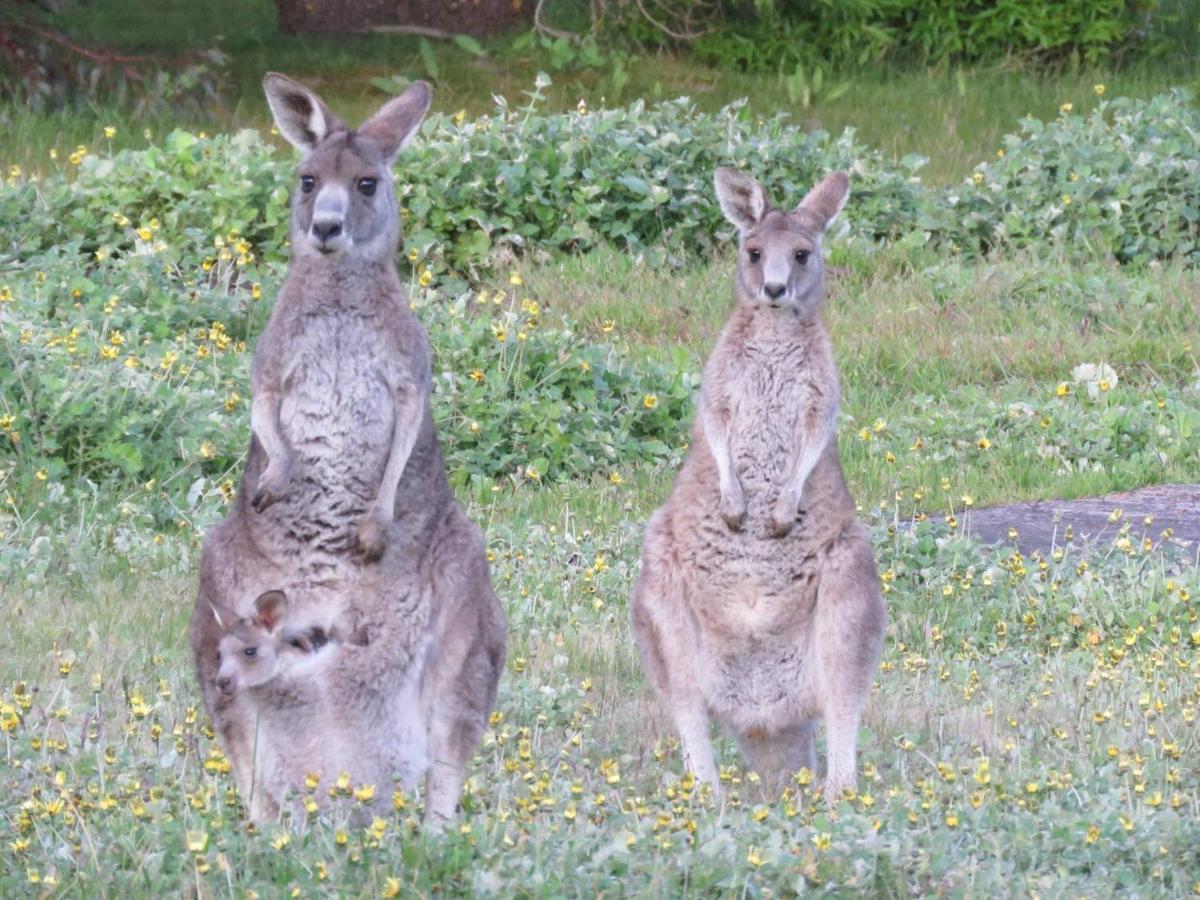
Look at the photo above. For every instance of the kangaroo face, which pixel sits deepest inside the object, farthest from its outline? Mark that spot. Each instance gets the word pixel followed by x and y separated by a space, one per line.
pixel 779 262
pixel 249 657
pixel 344 203
pixel 779 253
pixel 251 649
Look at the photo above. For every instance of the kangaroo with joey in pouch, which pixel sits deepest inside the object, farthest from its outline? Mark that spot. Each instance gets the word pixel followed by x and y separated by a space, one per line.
pixel 758 603
pixel 344 493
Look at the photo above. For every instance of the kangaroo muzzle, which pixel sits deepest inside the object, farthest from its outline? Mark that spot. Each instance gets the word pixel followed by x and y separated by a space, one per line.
pixel 327 233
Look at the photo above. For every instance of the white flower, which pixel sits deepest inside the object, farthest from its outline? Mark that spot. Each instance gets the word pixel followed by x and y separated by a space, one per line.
pixel 1096 377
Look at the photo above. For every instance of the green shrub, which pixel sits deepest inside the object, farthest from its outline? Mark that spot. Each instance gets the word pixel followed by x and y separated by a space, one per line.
pixel 513 398
pixel 1124 180
pixel 638 177
pixel 924 32
pixel 177 196
pixel 473 191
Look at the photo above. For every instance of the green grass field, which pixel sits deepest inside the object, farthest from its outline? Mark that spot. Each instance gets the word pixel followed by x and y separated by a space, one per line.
pixel 1032 729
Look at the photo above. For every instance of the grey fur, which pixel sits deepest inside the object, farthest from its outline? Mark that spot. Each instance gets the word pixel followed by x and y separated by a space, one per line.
pixel 344 502
pixel 758 603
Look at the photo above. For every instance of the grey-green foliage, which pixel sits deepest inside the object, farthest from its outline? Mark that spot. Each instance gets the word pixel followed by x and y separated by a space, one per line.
pixel 640 177
pixel 1124 179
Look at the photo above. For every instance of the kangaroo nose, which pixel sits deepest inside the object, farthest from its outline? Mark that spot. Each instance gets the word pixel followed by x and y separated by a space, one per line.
pixel 326 230
pixel 774 290
pixel 225 685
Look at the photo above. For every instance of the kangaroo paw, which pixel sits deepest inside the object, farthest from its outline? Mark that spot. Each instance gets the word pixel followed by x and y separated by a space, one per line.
pixel 272 485
pixel 733 511
pixel 783 517
pixel 371 540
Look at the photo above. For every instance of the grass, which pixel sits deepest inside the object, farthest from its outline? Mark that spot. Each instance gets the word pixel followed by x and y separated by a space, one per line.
pixel 955 117
pixel 1032 729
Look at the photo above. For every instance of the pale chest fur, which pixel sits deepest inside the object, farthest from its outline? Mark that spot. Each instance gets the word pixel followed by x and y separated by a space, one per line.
pixel 341 355
pixel 337 411
pixel 767 377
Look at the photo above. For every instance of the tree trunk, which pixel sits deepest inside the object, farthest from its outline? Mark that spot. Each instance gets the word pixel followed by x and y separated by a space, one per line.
pixel 476 17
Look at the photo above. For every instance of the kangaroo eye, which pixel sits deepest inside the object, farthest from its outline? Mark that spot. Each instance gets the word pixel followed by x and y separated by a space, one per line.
pixel 802 256
pixel 307 183
pixel 754 254
pixel 366 186
pixel 251 651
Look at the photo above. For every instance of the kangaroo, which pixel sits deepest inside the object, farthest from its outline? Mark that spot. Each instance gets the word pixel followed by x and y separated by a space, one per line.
pixel 344 497
pixel 271 658
pixel 256 651
pixel 758 602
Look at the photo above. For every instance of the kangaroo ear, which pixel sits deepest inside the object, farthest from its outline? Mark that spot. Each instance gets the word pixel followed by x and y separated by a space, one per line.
pixel 301 115
pixel 742 199
pixel 223 614
pixel 398 120
pixel 270 607
pixel 822 204
pixel 298 639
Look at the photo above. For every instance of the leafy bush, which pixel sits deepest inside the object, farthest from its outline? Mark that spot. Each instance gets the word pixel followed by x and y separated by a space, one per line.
pixel 635 176
pixel 515 399
pixel 1125 180
pixel 476 192
pixel 926 32
pixel 176 197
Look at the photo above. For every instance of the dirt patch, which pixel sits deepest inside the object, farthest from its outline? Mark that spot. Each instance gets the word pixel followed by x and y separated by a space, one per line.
pixel 1044 524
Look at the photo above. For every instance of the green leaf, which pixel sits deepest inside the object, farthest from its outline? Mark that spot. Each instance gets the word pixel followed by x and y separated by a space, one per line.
pixel 428 59
pixel 394 85
pixel 469 44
